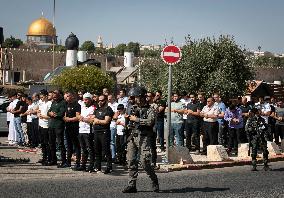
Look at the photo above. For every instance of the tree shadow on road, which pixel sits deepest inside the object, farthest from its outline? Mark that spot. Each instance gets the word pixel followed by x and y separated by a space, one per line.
pixel 279 169
pixel 189 189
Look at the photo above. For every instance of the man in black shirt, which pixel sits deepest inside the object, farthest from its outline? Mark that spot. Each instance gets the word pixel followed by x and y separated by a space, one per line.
pixel 71 119
pixel 56 128
pixel 192 124
pixel 102 135
pixel 159 124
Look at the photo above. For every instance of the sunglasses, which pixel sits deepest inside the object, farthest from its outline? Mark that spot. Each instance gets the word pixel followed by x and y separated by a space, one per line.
pixel 101 100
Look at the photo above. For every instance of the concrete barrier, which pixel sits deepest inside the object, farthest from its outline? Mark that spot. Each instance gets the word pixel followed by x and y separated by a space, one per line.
pixel 217 153
pixel 273 148
pixel 243 150
pixel 178 154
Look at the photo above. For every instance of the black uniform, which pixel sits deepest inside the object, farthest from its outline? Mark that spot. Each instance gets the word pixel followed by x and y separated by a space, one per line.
pixel 102 137
pixel 192 127
pixel 72 132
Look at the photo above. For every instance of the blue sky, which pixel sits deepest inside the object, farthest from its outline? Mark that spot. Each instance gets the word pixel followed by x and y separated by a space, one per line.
pixel 253 23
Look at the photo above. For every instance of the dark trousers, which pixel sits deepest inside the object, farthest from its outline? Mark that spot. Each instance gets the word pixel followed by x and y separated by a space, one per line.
pixel 35 133
pixel 87 146
pixel 210 134
pixel 160 132
pixel 279 132
pixel 183 129
pixel 121 148
pixel 234 138
pixel 223 135
pixel 192 133
pixel 45 144
pixel 102 145
pixel 57 136
pixel 272 131
pixel 153 145
pixel 71 133
pixel 29 132
pixel 259 142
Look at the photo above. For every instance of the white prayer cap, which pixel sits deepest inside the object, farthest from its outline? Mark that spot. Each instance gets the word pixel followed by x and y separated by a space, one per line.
pixel 88 95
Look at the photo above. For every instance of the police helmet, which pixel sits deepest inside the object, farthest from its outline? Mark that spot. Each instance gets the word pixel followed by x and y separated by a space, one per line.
pixel 137 91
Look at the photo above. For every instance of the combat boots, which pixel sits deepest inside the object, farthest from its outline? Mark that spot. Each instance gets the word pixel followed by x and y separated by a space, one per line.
pixel 155 187
pixel 253 165
pixel 130 189
pixel 266 167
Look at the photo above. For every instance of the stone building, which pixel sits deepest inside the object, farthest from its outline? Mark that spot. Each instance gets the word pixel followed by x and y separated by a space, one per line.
pixel 42 33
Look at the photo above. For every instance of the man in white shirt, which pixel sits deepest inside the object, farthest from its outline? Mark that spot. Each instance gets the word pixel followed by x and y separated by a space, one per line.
pixel 43 108
pixel 85 137
pixel 113 104
pixel 210 114
pixel 265 108
pixel 12 137
pixel 123 99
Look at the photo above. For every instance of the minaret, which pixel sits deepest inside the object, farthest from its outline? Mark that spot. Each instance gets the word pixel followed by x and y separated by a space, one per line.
pixel 100 42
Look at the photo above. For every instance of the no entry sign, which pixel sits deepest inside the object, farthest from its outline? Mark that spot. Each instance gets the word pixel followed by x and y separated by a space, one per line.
pixel 171 54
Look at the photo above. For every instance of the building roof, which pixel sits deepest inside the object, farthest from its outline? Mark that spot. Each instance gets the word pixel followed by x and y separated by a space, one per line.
pixel 41 27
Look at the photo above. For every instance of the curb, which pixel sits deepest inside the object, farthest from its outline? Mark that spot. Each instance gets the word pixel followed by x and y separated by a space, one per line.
pixel 212 165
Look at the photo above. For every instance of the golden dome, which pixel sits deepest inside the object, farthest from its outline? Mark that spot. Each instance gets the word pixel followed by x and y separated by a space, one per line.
pixel 41 27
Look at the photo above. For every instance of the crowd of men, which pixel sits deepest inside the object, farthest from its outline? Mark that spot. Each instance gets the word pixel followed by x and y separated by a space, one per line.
pixel 95 126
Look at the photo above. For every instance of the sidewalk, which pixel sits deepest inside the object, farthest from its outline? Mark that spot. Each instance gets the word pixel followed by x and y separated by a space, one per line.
pixel 200 161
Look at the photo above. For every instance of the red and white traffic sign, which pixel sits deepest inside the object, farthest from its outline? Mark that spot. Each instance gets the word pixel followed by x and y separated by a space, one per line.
pixel 171 54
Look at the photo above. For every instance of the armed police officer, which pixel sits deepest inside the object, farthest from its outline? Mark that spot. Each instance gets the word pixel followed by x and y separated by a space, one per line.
pixel 258 134
pixel 141 121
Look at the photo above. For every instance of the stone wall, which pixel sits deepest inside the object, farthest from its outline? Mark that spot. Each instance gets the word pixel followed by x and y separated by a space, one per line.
pixel 37 63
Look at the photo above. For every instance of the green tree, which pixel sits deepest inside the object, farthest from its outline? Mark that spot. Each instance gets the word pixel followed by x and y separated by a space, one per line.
pixel 88 78
pixel 99 50
pixel 60 48
pixel 111 51
pixel 119 49
pixel 12 42
pixel 149 53
pixel 207 65
pixel 88 46
pixel 133 47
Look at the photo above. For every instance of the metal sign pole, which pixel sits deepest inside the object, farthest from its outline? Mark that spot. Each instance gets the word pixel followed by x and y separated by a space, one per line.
pixel 169 113
pixel 171 55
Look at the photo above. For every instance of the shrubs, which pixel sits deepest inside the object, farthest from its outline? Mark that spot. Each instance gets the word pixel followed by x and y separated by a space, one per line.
pixel 89 78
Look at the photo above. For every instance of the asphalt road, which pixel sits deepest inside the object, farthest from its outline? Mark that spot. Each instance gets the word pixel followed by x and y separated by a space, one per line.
pixel 28 180
pixel 3 123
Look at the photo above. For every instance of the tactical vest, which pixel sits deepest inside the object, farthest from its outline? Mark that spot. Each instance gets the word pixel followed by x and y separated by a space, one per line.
pixel 144 129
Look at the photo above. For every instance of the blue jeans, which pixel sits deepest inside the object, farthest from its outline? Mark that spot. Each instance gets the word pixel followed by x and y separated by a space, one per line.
pixel 176 130
pixel 19 130
pixel 160 132
pixel 112 143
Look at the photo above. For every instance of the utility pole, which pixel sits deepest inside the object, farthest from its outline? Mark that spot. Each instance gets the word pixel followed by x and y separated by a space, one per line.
pixel 1 66
pixel 54 37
